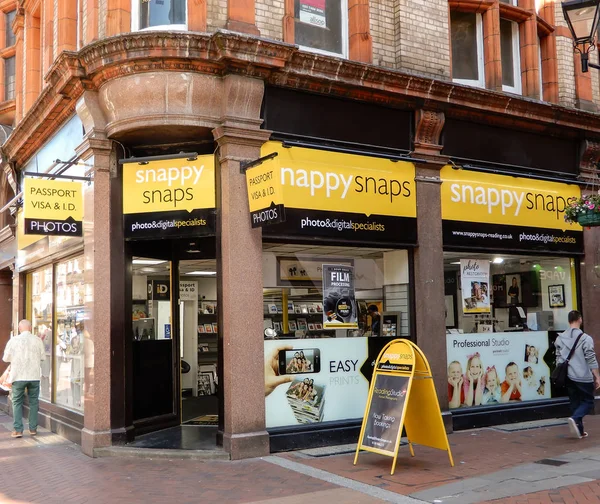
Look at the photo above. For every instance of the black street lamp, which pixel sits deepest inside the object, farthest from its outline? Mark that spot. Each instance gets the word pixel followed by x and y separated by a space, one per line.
pixel 582 17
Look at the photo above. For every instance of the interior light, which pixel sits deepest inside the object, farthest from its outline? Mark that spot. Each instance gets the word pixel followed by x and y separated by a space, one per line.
pixel 149 262
pixel 498 260
pixel 457 262
pixel 202 273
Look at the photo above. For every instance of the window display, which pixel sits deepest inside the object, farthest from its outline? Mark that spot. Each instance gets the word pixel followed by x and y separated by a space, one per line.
pixel 505 353
pixel 68 356
pixel 39 311
pixel 344 300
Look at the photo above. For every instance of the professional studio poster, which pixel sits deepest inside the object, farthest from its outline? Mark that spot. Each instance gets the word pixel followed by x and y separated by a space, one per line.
pixel 339 301
pixel 329 379
pixel 169 198
pixel 475 285
pixel 384 417
pixel 496 368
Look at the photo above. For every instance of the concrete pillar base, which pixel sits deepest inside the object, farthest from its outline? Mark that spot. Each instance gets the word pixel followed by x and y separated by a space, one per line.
pixel 246 445
pixel 91 440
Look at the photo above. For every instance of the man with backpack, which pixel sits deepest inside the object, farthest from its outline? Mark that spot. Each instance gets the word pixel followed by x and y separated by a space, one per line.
pixel 583 377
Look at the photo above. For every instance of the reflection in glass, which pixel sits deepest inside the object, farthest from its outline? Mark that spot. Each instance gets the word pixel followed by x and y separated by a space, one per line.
pixel 69 344
pixel 40 286
pixel 507 50
pixel 161 13
pixel 464 46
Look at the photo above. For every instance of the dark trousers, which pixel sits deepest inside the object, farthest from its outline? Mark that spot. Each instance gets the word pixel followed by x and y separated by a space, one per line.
pixel 581 398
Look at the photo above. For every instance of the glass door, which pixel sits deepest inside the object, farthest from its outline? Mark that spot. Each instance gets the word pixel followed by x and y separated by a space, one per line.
pixel 155 334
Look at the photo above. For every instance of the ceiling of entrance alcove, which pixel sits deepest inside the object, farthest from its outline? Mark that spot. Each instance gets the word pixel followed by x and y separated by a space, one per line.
pixel 185 267
pixel 161 139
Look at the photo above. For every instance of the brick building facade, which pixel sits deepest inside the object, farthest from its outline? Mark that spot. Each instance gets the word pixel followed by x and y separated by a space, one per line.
pixel 85 83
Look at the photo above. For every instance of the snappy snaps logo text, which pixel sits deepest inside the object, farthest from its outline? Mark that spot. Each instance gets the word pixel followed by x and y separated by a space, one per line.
pixel 315 179
pixel 470 196
pixel 169 185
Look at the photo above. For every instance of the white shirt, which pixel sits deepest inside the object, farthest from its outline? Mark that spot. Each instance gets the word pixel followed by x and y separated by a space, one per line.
pixel 25 353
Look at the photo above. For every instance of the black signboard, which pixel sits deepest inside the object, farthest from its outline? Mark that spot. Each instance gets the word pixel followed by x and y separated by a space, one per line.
pixel 476 235
pixel 384 415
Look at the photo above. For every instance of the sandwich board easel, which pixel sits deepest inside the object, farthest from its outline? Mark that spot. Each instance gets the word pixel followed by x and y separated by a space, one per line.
pixel 402 394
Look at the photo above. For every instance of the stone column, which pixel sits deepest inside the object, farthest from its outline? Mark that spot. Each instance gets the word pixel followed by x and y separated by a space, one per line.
pixel 6 294
pixel 98 241
pixel 239 275
pixel 430 320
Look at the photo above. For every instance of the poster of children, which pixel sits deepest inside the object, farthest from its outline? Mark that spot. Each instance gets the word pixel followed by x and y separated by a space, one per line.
pixel 496 368
pixel 475 285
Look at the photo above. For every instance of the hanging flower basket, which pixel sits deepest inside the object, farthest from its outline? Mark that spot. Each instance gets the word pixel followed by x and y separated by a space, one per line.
pixel 584 211
pixel 589 220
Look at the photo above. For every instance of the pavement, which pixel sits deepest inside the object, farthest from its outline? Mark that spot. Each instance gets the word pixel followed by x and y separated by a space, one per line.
pixel 529 463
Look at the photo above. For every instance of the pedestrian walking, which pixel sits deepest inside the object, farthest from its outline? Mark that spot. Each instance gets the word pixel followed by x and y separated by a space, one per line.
pixel 25 353
pixel 583 377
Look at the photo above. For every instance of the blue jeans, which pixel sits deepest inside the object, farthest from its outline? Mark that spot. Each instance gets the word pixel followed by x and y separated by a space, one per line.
pixel 581 399
pixel 18 397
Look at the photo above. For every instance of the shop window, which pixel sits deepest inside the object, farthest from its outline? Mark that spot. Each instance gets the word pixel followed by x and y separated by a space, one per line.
pixel 467 48
pixel 509 49
pixel 322 26
pixel 68 341
pixel 9 78
pixel 159 14
pixel 328 311
pixel 502 317
pixel 39 311
pixel 10 35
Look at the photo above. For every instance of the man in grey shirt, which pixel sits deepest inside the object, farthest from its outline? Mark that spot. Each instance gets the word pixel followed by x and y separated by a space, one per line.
pixel 583 377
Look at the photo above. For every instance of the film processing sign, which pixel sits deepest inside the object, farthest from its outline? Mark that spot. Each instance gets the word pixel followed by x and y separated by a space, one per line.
pixel 53 208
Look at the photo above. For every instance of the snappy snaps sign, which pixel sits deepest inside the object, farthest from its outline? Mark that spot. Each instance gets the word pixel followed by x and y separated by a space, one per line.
pixel 483 209
pixel 169 198
pixel 337 195
pixel 53 208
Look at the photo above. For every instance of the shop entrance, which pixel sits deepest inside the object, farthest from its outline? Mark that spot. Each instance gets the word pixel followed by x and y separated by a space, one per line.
pixel 175 343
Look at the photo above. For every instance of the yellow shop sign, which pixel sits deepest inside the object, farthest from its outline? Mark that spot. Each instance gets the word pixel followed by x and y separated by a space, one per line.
pixel 169 197
pixel 334 195
pixel 52 207
pixel 499 199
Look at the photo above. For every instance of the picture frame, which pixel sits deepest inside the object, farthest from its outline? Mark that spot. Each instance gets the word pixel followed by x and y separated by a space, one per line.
pixel 214 327
pixel 205 383
pixel 318 327
pixel 277 326
pixel 209 309
pixel 201 329
pixel 273 309
pixel 556 296
pixel 208 328
pixel 311 326
pixel 292 325
pixel 302 324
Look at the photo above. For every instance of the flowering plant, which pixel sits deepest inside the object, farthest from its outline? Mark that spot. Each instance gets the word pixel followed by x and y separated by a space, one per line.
pixel 587 205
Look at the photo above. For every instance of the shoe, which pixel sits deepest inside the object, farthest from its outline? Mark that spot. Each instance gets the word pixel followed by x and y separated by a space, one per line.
pixel 33 432
pixel 16 434
pixel 573 428
pixel 585 434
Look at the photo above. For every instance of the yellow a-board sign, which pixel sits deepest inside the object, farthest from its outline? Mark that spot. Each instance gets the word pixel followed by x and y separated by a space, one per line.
pixel 402 394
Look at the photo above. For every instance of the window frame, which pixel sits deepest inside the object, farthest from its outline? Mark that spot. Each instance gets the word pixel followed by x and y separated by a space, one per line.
pixel 516 47
pixel 135 20
pixel 345 36
pixel 480 82
pixel 14 87
pixel 7 27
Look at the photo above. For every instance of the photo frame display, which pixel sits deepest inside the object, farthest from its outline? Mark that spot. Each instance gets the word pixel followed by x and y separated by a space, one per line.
pixel 556 296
